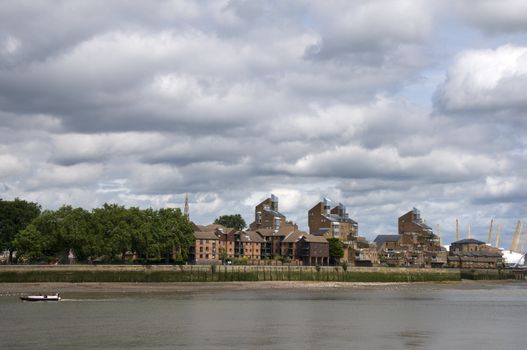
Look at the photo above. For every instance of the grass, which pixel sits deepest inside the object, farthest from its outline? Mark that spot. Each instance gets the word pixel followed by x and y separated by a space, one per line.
pixel 221 274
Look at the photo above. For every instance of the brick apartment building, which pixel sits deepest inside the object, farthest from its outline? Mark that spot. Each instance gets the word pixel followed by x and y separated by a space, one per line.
pixel 336 223
pixel 331 223
pixel 415 245
pixel 206 248
pixel 313 250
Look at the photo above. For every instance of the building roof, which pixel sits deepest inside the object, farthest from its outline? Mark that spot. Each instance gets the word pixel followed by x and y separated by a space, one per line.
pixel 321 232
pixel 480 253
pixel 338 218
pixel 468 241
pixel 197 227
pixel 205 235
pixel 381 239
pixel 268 232
pixel 294 236
pixel 274 213
pixel 286 229
pixel 250 236
pixel 212 227
pixel 315 239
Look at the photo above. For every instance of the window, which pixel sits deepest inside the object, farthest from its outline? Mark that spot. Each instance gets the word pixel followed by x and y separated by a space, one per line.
pixel 201 249
pixel 206 256
pixel 276 223
pixel 200 241
pixel 335 226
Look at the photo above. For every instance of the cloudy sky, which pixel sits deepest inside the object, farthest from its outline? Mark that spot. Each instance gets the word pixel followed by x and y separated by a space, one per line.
pixel 381 105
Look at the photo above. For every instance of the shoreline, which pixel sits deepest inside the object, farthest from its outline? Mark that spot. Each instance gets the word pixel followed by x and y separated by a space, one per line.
pixel 10 289
pixel 127 287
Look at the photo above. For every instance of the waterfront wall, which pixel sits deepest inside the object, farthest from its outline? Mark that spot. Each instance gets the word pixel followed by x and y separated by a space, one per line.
pixel 193 273
pixel 491 274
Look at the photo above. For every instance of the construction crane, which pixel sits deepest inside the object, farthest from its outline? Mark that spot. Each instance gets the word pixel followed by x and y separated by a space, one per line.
pixel 498 237
pixel 457 230
pixel 489 238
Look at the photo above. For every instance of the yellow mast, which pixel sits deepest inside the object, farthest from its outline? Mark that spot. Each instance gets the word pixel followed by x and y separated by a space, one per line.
pixel 457 230
pixel 514 237
pixel 489 238
pixel 524 241
pixel 517 243
pixel 498 237
pixel 468 231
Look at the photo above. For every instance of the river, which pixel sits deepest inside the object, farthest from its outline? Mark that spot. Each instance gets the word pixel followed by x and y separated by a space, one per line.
pixel 415 316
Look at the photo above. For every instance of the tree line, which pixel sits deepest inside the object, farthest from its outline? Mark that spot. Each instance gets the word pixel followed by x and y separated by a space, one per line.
pixel 111 233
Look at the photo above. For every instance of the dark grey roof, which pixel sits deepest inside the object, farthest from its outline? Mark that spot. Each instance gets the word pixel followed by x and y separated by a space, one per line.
pixel 338 218
pixel 275 213
pixel 332 217
pixel 321 232
pixel 468 241
pixel 423 225
pixel 380 239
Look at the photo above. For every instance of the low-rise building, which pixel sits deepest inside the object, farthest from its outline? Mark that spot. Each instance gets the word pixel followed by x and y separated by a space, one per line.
pixel 313 250
pixel 471 253
pixel 289 245
pixel 251 243
pixel 205 249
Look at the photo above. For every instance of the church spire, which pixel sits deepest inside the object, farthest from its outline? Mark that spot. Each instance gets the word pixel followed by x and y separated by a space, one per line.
pixel 186 210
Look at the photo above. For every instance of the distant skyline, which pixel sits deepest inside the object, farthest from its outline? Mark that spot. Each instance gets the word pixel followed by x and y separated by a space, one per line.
pixel 382 105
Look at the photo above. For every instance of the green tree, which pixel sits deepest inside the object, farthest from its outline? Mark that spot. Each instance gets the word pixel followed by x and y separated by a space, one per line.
pixel 30 244
pixel 336 250
pixel 234 221
pixel 175 233
pixel 15 216
pixel 113 224
pixel 68 228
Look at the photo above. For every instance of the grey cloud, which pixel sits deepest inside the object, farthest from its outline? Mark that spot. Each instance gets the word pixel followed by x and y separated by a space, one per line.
pixel 232 100
pixel 494 17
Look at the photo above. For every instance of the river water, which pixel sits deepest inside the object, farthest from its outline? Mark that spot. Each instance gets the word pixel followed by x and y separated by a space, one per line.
pixel 421 316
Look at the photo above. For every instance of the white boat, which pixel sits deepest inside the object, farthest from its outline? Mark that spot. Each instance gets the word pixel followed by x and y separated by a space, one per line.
pixel 41 297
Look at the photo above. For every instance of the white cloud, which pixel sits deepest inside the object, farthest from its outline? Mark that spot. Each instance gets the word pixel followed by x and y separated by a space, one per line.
pixel 486 80
pixel 234 100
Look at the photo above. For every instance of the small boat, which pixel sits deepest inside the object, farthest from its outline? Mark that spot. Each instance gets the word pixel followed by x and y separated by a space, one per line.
pixel 41 297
